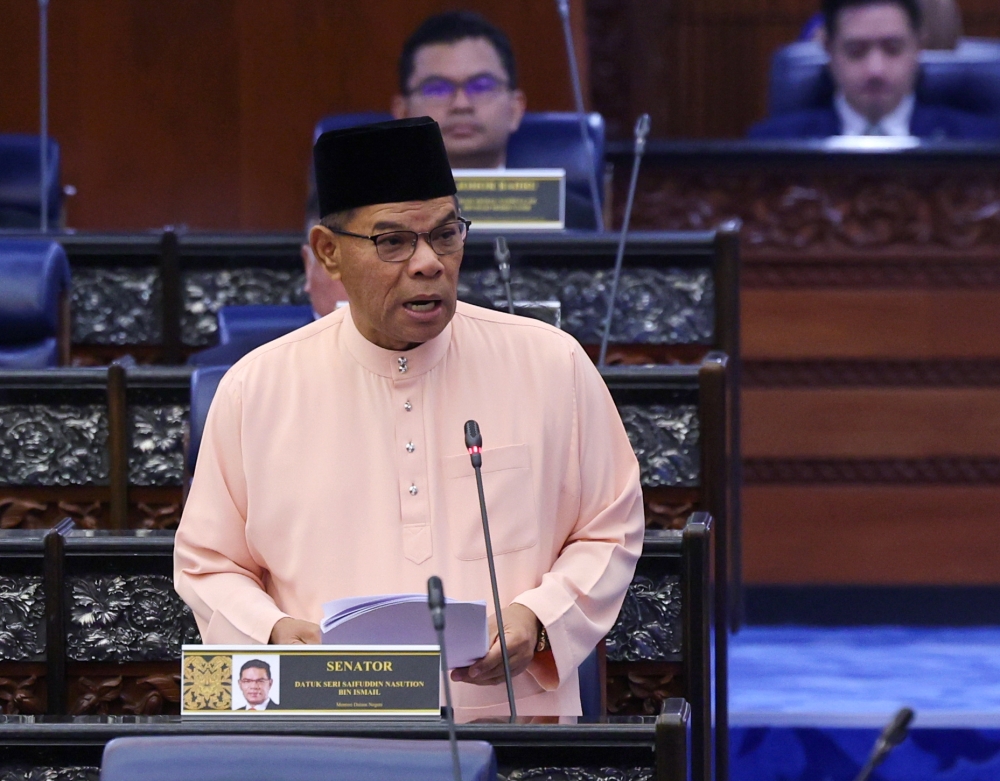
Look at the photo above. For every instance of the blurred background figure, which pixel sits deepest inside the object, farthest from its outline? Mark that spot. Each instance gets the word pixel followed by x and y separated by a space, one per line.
pixel 458 69
pixel 874 63
pixel 941 27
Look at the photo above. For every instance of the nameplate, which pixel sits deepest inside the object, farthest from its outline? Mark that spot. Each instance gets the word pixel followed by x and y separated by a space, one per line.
pixel 254 681
pixel 518 198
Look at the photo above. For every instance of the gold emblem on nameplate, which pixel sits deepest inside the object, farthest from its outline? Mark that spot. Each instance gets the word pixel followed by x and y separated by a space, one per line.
pixel 208 683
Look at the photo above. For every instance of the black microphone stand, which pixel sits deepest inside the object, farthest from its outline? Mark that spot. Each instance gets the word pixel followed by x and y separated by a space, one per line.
pixel 474 442
pixel 641 131
pixel 891 736
pixel 435 601
pixel 574 72
pixel 502 256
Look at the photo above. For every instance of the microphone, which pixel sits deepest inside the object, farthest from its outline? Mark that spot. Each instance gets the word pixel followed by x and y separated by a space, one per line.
pixel 641 131
pixel 894 734
pixel 435 601
pixel 502 256
pixel 574 72
pixel 474 443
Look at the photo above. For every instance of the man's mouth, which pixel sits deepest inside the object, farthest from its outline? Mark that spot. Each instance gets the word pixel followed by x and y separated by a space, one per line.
pixel 422 306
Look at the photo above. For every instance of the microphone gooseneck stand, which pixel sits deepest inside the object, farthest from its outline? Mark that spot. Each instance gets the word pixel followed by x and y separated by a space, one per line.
pixel 574 72
pixel 435 601
pixel 43 110
pixel 641 132
pixel 501 254
pixel 474 444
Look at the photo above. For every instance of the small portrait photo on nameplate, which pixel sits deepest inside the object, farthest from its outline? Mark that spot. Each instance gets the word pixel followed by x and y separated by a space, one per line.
pixel 514 198
pixel 276 681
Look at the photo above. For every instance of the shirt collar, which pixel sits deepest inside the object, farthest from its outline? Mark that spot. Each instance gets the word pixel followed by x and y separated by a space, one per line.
pixel 895 123
pixel 394 364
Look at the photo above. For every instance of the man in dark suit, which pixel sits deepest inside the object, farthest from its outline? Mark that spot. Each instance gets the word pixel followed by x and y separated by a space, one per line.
pixel 255 683
pixel 874 49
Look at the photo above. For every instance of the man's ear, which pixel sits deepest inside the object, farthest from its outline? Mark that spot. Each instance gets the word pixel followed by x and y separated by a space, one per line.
pixel 326 249
pixel 398 107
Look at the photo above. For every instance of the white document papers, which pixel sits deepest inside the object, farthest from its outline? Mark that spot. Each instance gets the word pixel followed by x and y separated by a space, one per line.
pixel 404 619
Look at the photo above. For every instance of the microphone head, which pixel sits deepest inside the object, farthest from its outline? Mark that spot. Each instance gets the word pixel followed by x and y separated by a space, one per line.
pixel 642 125
pixel 500 251
pixel 473 439
pixel 895 733
pixel 435 593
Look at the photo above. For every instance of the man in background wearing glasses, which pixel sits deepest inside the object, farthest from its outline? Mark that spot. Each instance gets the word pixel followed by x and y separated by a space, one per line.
pixel 459 70
pixel 333 462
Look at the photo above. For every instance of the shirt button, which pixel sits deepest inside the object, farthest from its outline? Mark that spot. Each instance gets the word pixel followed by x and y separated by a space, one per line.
pixel 407 406
pixel 410 447
pixel 413 490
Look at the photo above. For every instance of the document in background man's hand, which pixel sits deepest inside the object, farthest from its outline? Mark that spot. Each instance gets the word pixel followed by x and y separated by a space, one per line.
pixel 404 619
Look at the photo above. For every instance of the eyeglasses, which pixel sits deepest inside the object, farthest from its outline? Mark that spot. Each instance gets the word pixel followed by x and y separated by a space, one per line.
pixel 399 246
pixel 478 89
pixel 252 681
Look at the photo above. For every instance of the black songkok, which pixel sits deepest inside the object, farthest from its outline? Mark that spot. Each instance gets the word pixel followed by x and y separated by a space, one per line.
pixel 389 162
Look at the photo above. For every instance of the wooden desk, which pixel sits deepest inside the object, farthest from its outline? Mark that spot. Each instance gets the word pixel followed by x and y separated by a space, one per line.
pixel 639 748
pixel 870 322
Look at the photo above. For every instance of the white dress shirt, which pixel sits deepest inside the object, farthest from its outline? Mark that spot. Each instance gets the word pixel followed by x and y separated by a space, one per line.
pixel 895 123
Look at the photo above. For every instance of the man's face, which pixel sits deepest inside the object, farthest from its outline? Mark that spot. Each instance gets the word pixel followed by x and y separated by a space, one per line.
pixel 475 121
pixel 874 57
pixel 255 684
pixel 394 305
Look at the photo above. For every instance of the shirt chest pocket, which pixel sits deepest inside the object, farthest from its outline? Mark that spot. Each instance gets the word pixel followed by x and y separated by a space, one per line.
pixel 510 502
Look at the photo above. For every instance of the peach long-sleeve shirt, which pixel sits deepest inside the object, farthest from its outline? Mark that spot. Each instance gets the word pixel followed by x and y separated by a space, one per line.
pixel 331 467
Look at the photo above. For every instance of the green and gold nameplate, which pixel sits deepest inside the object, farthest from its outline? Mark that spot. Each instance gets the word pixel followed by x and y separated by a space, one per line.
pixel 525 198
pixel 308 680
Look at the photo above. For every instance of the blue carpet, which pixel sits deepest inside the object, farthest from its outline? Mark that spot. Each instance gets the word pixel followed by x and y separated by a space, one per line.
pixel 808 703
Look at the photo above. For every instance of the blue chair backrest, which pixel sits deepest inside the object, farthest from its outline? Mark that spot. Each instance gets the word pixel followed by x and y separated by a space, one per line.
pixel 255 320
pixel 280 758
pixel 589 673
pixel 204 383
pixel 546 139
pixel 34 277
pixel 967 78
pixel 20 196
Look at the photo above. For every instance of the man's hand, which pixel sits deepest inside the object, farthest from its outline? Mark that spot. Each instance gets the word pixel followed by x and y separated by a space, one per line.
pixel 294 631
pixel 521 627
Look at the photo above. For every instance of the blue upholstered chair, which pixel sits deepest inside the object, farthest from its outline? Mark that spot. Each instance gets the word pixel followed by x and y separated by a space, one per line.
pixel 34 278
pixel 592 686
pixel 548 139
pixel 967 78
pixel 204 383
pixel 280 758
pixel 252 320
pixel 20 198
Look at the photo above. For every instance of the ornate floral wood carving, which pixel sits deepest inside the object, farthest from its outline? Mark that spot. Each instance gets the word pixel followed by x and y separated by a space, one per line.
pixel 148 695
pixel 22 618
pixel 22 694
pixel 50 773
pixel 666 442
pixel 43 507
pixel 635 693
pixel 649 623
pixel 821 211
pixel 582 774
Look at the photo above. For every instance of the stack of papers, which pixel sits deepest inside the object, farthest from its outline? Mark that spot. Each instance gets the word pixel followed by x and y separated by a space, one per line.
pixel 404 619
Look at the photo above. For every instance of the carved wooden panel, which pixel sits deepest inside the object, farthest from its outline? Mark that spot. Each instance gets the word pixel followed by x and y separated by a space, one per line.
pixel 641 689
pixel 44 507
pixel 152 692
pixel 803 212
pixel 22 689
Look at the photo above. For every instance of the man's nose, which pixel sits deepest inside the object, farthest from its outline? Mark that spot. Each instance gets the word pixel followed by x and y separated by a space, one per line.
pixel 875 62
pixel 425 261
pixel 461 101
